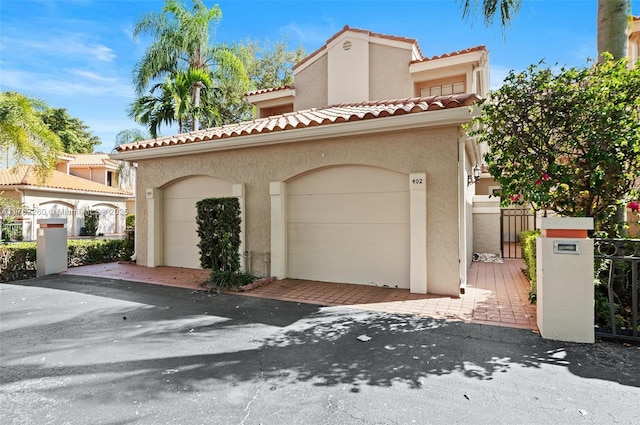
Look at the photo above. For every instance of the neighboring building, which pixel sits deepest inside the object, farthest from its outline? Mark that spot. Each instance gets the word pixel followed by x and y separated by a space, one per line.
pixel 337 181
pixel 79 183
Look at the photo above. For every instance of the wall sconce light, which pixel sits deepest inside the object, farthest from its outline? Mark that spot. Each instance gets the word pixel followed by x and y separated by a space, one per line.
pixel 471 179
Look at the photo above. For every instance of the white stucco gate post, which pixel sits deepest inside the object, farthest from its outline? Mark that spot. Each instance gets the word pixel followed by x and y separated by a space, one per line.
pixel 565 279
pixel 278 193
pixel 51 252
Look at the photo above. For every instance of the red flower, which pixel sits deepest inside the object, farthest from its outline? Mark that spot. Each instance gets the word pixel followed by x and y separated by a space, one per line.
pixel 634 206
pixel 545 176
pixel 515 198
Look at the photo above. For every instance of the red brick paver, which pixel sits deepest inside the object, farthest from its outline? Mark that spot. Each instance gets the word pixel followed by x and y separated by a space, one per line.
pixel 496 293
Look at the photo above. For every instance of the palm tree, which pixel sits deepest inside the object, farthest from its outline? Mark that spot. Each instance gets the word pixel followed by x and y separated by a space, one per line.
pixel 612 21
pixel 182 46
pixel 24 137
pixel 612 28
pixel 171 101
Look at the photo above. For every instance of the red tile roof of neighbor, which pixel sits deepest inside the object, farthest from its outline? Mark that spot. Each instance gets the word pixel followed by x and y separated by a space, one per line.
pixel 269 90
pixel 92 159
pixel 312 117
pixel 24 175
pixel 457 53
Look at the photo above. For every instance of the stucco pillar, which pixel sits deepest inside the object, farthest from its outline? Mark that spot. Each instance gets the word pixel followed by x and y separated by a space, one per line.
pixel 418 232
pixel 155 237
pixel 237 190
pixel 51 252
pixel 565 279
pixel 277 190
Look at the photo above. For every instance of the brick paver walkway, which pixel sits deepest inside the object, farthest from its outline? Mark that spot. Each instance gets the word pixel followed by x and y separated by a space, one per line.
pixel 496 293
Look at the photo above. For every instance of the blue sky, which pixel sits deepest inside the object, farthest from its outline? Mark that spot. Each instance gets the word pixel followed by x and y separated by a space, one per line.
pixel 79 54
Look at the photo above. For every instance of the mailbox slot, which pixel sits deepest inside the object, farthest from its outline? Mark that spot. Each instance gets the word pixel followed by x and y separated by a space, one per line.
pixel 566 247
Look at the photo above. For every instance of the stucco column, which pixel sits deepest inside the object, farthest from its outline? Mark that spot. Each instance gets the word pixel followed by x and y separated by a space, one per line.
pixel 51 252
pixel 237 190
pixel 278 193
pixel 418 232
pixel 565 279
pixel 155 237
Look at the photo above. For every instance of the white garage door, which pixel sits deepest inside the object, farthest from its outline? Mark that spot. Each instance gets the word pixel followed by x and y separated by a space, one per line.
pixel 349 224
pixel 180 229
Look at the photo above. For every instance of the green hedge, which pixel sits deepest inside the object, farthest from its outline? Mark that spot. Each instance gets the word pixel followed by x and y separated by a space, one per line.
pixel 18 261
pixel 528 246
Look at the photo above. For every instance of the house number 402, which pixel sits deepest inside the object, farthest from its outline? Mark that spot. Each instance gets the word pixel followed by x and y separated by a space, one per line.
pixel 416 181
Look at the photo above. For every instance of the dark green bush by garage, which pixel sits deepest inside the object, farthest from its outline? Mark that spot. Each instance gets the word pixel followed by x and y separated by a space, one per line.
pixel 218 221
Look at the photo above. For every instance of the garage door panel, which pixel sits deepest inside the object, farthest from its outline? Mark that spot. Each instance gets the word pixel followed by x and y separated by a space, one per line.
pixel 350 208
pixel 348 179
pixel 179 209
pixel 365 254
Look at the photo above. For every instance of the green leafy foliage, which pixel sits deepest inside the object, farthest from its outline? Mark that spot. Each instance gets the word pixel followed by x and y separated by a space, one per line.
pixel 218 221
pixel 18 260
pixel 566 140
pixel 73 133
pixel 24 137
pixel 528 246
pixel 130 221
pixel 91 220
pixel 226 279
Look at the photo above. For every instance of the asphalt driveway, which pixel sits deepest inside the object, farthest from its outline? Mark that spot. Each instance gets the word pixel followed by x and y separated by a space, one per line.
pixel 80 350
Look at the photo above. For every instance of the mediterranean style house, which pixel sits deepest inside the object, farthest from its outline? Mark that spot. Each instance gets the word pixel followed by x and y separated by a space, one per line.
pixel 80 182
pixel 359 173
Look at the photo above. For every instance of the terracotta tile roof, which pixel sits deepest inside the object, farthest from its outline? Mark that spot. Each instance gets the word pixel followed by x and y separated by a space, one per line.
pixel 92 159
pixel 370 33
pixel 23 175
pixel 274 89
pixel 311 118
pixel 456 53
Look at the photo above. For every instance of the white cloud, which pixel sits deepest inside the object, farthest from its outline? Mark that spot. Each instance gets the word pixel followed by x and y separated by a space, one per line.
pixel 310 35
pixel 80 83
pixel 70 45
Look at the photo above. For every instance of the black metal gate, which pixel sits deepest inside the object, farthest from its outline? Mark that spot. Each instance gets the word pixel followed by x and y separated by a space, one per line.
pixel 512 222
pixel 617 289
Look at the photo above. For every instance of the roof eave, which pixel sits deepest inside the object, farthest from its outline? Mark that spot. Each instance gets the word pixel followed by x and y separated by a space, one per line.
pixel 59 190
pixel 426 119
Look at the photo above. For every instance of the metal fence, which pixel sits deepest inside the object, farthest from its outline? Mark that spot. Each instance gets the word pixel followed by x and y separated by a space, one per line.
pixel 616 290
pixel 12 232
pixel 512 222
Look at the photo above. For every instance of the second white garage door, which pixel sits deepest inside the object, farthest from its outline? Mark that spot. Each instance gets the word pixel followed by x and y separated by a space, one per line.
pixel 180 229
pixel 349 224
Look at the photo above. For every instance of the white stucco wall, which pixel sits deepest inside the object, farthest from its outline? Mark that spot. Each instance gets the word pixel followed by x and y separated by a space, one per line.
pixel 72 206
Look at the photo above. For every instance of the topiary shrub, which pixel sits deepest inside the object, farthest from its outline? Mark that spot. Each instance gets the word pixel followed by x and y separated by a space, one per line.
pixel 218 221
pixel 528 246
pixel 130 221
pixel 91 219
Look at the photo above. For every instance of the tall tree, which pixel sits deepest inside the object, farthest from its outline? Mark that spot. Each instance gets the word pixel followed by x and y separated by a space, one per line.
pixel 612 21
pixel 566 141
pixel 612 26
pixel 506 8
pixel 268 65
pixel 73 133
pixel 23 134
pixel 182 44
